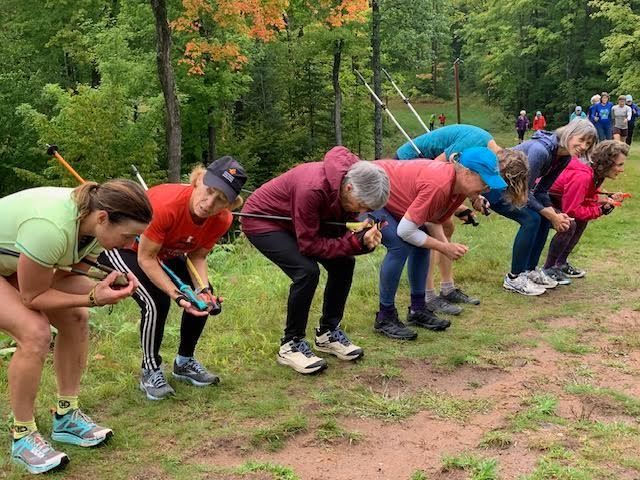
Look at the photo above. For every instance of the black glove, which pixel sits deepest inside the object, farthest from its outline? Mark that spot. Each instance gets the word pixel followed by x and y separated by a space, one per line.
pixel 468 217
pixel 606 208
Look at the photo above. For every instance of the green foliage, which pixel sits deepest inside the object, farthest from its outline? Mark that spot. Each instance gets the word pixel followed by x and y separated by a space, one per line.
pixel 621 43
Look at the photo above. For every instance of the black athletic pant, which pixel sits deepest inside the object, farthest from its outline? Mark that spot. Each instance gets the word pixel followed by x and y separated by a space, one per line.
pixel 629 138
pixel 282 249
pixel 154 306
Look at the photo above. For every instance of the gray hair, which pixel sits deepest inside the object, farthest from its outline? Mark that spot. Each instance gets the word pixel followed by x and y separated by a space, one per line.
pixel 370 184
pixel 578 128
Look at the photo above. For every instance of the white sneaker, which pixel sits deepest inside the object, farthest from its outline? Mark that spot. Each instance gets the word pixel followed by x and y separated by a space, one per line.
pixel 538 277
pixel 337 343
pixel 298 355
pixel 522 285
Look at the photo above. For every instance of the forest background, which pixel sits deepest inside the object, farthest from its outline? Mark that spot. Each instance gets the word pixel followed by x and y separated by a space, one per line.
pixel 168 84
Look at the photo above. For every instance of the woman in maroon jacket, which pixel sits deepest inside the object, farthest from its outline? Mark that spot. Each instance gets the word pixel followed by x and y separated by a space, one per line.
pixel 336 189
pixel 576 193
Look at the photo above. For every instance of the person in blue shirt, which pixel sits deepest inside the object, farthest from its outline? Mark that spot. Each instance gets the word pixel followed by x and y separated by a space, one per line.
pixel 440 145
pixel 635 113
pixel 602 117
pixel 591 111
pixel 548 154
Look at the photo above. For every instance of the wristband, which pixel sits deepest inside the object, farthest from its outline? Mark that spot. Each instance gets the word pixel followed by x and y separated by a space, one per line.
pixel 203 290
pixel 92 298
pixel 180 297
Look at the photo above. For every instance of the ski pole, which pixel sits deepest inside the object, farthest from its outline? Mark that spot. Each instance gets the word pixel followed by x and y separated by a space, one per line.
pixel 53 150
pixel 384 107
pixel 405 100
pixel 182 286
pixel 353 226
pixel 120 281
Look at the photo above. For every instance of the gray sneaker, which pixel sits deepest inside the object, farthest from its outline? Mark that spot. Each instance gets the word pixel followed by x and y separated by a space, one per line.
pixel 154 385
pixel 458 296
pixel 441 305
pixel 194 373
pixel 35 454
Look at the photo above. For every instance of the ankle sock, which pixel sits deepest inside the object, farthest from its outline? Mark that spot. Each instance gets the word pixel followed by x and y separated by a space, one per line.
pixel 180 360
pixel 417 302
pixel 430 294
pixel 65 404
pixel 446 288
pixel 22 429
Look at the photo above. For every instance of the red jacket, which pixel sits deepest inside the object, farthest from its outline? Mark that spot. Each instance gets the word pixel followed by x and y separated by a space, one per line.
pixel 310 194
pixel 577 192
pixel 539 123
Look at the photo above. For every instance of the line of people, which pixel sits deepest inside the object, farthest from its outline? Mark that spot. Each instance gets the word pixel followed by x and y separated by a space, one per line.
pixel 550 181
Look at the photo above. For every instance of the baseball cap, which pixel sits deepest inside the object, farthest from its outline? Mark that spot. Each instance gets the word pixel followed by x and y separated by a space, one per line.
pixel 226 175
pixel 578 108
pixel 484 162
pixel 629 98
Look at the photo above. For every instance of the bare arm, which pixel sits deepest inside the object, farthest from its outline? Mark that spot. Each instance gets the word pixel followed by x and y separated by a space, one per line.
pixel 37 293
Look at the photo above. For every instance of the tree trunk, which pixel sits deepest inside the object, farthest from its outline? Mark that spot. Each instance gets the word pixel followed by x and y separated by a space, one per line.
pixel 377 78
pixel 169 90
pixel 211 131
pixel 337 93
pixel 434 68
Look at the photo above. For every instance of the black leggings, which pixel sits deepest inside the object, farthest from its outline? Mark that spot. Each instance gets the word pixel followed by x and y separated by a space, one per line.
pixel 154 306
pixel 282 249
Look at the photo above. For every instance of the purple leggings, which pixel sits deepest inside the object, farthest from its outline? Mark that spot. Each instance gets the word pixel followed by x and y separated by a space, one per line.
pixel 562 244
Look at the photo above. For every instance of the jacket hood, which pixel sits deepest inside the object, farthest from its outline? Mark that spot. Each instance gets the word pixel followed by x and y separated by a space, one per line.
pixel 548 139
pixel 337 163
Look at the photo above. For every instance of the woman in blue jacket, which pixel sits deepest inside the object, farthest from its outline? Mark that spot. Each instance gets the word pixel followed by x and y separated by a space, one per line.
pixel 602 117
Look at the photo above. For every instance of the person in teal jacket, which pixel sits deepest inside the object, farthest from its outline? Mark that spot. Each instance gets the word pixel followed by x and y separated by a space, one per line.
pixel 447 140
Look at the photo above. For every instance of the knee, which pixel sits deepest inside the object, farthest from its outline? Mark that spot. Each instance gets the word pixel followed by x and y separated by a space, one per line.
pixel 532 221
pixel 75 322
pixel 36 341
pixel 448 227
pixel 308 274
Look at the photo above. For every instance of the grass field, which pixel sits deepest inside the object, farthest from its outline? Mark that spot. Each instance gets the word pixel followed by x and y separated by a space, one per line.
pixel 529 388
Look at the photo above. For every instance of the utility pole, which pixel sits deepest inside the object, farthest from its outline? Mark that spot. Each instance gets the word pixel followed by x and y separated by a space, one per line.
pixel 456 62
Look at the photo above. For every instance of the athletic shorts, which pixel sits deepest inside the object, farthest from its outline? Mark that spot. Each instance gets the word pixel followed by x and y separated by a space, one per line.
pixel 620 131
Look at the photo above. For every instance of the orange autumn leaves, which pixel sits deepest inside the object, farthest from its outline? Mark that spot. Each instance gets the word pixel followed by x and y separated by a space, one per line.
pixel 256 19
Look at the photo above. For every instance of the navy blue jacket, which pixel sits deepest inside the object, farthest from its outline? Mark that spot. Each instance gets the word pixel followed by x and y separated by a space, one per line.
pixel 544 166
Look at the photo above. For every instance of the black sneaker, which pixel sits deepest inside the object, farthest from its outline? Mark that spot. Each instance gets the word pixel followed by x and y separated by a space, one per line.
pixel 194 373
pixel 427 319
pixel 458 296
pixel 390 326
pixel 572 272
pixel 556 274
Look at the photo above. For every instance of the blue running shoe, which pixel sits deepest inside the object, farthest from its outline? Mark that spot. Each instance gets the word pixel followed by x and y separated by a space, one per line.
pixel 78 429
pixel 35 454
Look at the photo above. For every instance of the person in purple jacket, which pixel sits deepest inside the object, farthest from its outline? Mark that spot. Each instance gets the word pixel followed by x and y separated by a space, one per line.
pixel 522 125
pixel 336 189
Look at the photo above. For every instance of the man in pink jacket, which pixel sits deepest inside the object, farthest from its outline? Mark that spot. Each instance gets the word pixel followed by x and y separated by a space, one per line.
pixel 336 190
pixel 576 192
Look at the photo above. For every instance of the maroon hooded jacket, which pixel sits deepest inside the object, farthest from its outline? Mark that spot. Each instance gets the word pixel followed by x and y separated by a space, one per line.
pixel 310 194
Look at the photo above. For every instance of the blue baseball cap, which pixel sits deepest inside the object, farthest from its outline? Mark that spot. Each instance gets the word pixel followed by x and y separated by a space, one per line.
pixel 484 162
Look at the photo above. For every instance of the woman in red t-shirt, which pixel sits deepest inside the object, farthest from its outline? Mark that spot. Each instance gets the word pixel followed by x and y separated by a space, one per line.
pixel 539 122
pixel 187 220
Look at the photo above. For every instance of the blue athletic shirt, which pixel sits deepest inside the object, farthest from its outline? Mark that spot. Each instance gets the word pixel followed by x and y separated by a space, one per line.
pixel 451 139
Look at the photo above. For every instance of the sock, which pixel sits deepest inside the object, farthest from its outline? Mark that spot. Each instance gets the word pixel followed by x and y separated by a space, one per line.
pixel 66 404
pixel 180 360
pixel 417 302
pixel 512 276
pixel 446 288
pixel 430 294
pixel 22 429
